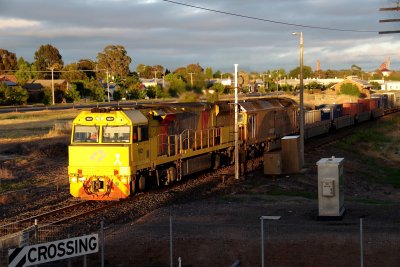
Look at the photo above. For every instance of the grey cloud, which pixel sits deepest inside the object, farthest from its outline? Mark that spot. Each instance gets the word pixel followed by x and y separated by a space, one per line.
pixel 157 32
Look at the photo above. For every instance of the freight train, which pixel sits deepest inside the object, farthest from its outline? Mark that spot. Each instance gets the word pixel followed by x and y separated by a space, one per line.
pixel 116 152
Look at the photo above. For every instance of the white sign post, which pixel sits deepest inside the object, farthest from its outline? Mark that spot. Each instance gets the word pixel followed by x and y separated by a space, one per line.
pixel 53 251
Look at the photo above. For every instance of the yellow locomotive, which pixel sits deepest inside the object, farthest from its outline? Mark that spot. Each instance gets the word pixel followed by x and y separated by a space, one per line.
pixel 115 152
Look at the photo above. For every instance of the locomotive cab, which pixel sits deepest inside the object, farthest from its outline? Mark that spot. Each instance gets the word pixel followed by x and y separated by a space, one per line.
pixel 100 153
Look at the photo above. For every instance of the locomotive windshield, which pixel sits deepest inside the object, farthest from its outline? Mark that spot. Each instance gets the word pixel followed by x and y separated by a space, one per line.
pixel 84 133
pixel 116 134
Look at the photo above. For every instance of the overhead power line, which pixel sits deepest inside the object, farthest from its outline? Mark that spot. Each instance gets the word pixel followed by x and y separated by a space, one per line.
pixel 267 20
pixel 396 8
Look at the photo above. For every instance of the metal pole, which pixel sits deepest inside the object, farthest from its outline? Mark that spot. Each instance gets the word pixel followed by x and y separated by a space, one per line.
pixel 301 102
pixel 236 126
pixel 102 242
pixel 170 241
pixel 262 218
pixel 361 244
pixel 108 87
pixel 262 242
pixel 36 234
pixel 52 85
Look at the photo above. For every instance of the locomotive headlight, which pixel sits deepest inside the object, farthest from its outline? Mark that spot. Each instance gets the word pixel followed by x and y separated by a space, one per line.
pixel 124 179
pixel 124 171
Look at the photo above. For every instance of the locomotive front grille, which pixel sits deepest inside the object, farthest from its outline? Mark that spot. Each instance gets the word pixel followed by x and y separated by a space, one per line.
pixel 98 185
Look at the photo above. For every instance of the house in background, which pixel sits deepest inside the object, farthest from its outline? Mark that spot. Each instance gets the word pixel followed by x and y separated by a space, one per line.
pixel 36 88
pixel 9 80
pixel 363 86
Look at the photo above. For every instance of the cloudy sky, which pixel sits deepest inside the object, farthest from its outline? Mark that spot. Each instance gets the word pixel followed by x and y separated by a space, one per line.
pixel 256 34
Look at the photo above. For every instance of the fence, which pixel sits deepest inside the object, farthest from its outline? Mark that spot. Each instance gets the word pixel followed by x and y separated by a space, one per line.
pixel 161 240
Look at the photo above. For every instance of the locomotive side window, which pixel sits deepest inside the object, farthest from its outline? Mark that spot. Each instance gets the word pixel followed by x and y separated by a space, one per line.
pixel 116 134
pixel 252 127
pixel 140 133
pixel 83 133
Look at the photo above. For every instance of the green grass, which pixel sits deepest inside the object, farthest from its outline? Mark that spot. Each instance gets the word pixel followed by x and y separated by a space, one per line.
pixel 378 139
pixel 280 192
pixel 369 201
pixel 12 185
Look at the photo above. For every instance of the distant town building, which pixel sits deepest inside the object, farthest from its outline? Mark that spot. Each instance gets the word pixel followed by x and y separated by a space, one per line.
pixel 36 87
pixel 394 85
pixel 384 68
pixel 362 85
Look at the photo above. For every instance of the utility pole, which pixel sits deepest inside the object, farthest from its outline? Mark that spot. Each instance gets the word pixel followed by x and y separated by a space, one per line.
pixel 108 87
pixel 191 78
pixel 52 84
pixel 236 125
pixel 396 8
pixel 155 76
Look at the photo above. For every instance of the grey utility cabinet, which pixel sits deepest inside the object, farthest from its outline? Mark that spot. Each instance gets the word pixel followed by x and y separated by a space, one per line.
pixel 330 188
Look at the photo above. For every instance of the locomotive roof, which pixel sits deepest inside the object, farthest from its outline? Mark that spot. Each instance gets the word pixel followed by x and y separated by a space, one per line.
pixel 136 116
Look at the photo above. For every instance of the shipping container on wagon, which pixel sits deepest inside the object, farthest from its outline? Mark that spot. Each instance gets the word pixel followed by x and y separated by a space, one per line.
pixel 396 99
pixel 344 121
pixel 352 108
pixel 312 116
pixel 368 103
pixel 383 101
pixel 330 111
pixel 317 128
pixel 391 100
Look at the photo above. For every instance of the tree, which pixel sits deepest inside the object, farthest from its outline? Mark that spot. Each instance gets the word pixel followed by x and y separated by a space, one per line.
pixel 8 61
pixel 114 58
pixel 72 94
pixel 3 88
pixel 209 73
pixel 151 92
pixel 24 72
pixel 176 86
pixel 193 75
pixel 349 89
pixel 118 94
pixel 96 90
pixel 217 74
pixel 88 67
pixel 46 57
pixel 16 95
pixel 355 70
pixel 72 73
pixel 219 88
pixel 307 72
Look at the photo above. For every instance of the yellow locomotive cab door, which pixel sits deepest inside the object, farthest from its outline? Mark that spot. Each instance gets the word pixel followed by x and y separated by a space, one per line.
pixel 141 147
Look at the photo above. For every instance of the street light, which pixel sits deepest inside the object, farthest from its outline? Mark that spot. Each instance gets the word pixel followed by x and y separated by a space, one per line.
pixel 301 99
pixel 262 218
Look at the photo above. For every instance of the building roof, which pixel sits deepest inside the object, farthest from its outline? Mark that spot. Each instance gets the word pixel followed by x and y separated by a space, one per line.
pixel 8 78
pixel 40 84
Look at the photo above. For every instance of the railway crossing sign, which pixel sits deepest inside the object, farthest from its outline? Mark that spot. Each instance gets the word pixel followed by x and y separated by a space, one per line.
pixel 53 251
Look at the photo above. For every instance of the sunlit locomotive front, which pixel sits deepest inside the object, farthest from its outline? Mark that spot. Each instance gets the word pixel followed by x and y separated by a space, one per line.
pixel 99 154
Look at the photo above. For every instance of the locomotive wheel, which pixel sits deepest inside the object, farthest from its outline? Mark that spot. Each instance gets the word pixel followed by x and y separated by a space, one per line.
pixel 217 161
pixel 133 186
pixel 142 183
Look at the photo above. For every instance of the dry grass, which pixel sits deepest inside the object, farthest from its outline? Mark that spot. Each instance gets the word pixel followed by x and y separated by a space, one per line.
pixel 5 174
pixel 36 123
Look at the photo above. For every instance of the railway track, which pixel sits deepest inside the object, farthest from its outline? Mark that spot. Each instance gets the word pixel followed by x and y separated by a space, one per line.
pixel 142 205
pixel 56 216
